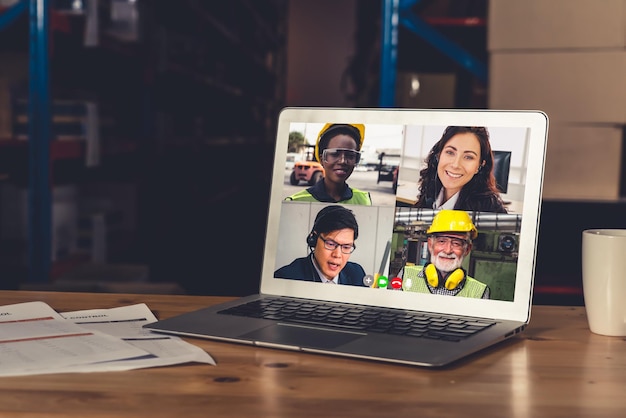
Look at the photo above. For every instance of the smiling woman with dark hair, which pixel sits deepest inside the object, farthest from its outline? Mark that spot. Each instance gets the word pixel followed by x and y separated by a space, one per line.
pixel 459 173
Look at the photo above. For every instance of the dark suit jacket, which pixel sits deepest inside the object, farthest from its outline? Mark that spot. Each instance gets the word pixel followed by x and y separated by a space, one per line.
pixel 303 269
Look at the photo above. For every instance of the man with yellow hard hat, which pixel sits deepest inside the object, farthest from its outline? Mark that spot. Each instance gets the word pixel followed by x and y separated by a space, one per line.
pixel 449 241
pixel 338 149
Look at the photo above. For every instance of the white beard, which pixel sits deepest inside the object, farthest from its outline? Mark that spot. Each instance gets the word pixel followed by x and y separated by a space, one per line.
pixel 446 263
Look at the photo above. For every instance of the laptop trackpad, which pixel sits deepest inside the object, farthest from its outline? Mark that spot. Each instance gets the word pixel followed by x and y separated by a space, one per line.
pixel 301 336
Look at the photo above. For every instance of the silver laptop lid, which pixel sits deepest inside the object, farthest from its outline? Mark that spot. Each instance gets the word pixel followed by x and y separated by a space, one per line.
pixel 392 231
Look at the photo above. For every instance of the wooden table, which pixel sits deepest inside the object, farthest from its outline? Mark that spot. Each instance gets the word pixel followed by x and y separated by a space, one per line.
pixel 557 367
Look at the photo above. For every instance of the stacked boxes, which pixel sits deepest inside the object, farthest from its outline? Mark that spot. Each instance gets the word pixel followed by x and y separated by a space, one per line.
pixel 567 58
pixel 70 121
pixel 64 213
pixel 86 226
pixel 67 117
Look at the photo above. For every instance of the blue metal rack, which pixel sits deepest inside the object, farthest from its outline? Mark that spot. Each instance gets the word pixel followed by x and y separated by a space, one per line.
pixel 39 239
pixel 398 12
pixel 39 194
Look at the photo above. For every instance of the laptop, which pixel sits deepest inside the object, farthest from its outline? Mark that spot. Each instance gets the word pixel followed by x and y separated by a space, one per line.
pixel 401 326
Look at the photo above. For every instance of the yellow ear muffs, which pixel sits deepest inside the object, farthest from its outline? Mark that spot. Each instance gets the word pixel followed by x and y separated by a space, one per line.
pixel 453 280
pixel 431 275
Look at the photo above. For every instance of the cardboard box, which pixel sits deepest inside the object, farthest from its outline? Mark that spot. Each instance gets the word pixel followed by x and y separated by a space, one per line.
pixel 583 162
pixel 587 87
pixel 556 24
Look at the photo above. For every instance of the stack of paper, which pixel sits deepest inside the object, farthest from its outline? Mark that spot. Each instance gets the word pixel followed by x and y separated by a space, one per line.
pixel 35 339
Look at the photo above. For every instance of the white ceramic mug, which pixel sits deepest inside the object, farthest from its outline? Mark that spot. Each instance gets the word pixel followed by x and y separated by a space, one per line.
pixel 604 280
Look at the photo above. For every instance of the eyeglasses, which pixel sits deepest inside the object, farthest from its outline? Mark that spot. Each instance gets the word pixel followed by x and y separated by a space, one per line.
pixel 333 155
pixel 455 243
pixel 329 244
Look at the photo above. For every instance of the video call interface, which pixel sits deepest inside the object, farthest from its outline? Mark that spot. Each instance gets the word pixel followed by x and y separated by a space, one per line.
pixel 403 244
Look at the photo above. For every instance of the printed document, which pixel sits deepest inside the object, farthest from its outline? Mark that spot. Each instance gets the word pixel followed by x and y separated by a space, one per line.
pixel 35 339
pixel 126 323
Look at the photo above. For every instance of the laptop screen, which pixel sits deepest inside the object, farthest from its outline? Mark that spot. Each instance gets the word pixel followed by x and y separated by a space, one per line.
pixel 414 209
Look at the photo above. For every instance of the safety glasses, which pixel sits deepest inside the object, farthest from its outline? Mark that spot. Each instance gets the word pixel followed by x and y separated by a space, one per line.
pixel 334 155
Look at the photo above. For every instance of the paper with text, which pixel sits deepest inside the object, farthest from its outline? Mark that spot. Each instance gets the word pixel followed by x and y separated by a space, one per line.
pixel 126 323
pixel 35 339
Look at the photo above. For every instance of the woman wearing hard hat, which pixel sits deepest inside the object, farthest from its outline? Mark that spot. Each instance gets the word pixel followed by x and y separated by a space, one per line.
pixel 338 149
pixel 459 173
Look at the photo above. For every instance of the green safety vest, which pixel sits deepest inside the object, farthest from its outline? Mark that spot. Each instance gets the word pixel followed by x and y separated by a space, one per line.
pixel 471 289
pixel 359 197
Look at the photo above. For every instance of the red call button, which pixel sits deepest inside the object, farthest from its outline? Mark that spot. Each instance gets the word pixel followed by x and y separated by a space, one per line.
pixel 396 283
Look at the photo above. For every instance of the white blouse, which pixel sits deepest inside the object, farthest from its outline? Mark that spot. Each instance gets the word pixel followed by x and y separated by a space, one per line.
pixel 449 204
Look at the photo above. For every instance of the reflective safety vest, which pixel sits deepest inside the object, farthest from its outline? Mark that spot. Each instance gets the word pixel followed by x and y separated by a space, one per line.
pixel 412 281
pixel 359 197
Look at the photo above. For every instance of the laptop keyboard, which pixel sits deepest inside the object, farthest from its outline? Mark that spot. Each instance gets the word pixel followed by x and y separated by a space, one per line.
pixel 359 318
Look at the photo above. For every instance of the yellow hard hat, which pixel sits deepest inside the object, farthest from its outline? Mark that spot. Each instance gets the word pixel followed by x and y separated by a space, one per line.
pixel 448 220
pixel 332 126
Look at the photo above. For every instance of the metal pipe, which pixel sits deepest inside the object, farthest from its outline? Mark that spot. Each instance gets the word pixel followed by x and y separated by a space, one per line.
pixel 482 220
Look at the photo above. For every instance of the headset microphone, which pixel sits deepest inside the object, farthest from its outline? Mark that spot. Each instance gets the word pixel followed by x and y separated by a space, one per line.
pixel 430 201
pixel 311 239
